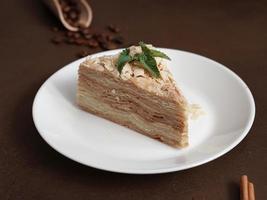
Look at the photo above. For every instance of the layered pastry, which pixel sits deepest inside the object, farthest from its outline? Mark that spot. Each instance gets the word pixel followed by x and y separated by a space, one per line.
pixel 135 89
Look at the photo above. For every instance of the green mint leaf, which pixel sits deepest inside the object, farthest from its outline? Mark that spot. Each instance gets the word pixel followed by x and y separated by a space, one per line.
pixel 153 52
pixel 123 59
pixel 149 63
pixel 156 53
pixel 145 49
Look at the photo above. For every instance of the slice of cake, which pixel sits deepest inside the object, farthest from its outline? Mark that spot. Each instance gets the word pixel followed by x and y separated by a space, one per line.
pixel 135 89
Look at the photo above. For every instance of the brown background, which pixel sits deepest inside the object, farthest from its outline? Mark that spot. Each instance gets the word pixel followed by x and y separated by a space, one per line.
pixel 231 32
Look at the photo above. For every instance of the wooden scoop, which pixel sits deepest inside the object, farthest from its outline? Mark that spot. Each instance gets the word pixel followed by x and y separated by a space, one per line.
pixel 85 17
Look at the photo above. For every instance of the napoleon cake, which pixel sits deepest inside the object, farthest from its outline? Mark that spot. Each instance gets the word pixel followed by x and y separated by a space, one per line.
pixel 134 88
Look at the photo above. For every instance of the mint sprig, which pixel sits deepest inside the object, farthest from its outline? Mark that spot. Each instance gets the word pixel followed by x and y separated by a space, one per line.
pixel 146 59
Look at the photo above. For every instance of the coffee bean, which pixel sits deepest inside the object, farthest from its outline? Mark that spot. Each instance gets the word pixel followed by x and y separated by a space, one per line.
pixel 118 39
pixel 100 38
pixel 84 41
pixel 65 16
pixel 57 40
pixel 80 41
pixel 82 53
pixel 76 35
pixel 66 8
pixel 93 43
pixel 73 15
pixel 85 31
pixel 69 34
pixel 113 28
pixel 89 36
pixel 75 23
pixel 107 45
pixel 69 21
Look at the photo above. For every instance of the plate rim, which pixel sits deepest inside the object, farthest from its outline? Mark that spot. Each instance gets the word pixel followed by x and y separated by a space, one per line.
pixel 161 170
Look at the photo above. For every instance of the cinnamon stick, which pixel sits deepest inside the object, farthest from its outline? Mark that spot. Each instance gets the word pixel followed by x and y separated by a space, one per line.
pixel 251 192
pixel 244 188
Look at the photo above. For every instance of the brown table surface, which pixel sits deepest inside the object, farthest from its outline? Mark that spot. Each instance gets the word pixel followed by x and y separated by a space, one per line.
pixel 231 32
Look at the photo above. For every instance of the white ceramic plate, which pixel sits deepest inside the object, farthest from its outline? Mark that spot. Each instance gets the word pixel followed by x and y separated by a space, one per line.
pixel 99 143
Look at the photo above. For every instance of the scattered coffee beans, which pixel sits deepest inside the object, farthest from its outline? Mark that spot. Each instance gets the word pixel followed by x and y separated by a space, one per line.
pixel 87 37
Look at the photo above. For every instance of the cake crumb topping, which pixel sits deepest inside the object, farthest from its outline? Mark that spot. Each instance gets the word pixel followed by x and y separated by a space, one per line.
pixel 135 73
